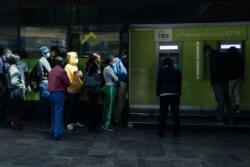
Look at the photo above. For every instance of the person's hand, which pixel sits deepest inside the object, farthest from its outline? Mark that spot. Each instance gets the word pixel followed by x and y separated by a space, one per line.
pixel 80 73
pixel 28 88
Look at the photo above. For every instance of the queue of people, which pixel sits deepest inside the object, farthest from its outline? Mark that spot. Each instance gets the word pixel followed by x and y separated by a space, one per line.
pixel 58 82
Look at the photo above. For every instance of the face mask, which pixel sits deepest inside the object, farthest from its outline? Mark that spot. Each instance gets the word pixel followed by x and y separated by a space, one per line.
pixel 77 60
pixel 47 55
pixel 124 56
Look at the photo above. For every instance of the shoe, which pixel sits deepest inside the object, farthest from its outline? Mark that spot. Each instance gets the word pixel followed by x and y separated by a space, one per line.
pixel 70 127
pixel 231 122
pixel 78 124
pixel 218 122
pixel 110 129
pixel 94 130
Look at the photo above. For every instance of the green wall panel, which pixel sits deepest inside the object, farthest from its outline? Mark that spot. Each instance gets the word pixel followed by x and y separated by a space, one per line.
pixel 195 92
pixel 142 67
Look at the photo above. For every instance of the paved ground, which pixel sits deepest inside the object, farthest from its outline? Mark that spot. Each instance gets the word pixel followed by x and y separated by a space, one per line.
pixel 125 147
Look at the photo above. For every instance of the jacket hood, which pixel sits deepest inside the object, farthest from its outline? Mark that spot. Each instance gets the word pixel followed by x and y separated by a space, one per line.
pixel 72 58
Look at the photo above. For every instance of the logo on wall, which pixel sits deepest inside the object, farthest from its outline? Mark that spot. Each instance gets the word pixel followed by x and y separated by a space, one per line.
pixel 163 35
pixel 86 37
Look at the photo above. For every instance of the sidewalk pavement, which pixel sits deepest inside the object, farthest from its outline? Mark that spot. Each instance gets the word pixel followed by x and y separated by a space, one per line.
pixel 124 147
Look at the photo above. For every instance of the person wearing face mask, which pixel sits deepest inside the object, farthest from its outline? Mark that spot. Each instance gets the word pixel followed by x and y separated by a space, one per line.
pixel 4 92
pixel 110 92
pixel 73 91
pixel 43 69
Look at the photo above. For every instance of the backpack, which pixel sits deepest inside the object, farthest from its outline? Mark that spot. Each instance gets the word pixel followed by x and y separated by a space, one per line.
pixel 34 79
pixel 3 75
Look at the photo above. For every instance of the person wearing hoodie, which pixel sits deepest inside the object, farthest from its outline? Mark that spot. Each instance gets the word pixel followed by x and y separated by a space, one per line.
pixel 73 91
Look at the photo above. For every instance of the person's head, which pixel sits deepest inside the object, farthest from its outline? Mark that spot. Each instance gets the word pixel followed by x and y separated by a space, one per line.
pixel 167 62
pixel 232 51
pixel 72 58
pixel 58 60
pixel 54 51
pixel 109 60
pixel 207 50
pixel 95 57
pixel 123 53
pixel 14 58
pixel 7 52
pixel 44 52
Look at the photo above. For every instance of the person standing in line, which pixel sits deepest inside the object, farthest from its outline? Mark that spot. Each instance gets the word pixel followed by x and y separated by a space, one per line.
pixel 73 91
pixel 57 82
pixel 110 92
pixel 24 71
pixel 4 92
pixel 43 69
pixel 121 72
pixel 93 68
pixel 219 77
pixel 16 88
pixel 236 77
pixel 169 89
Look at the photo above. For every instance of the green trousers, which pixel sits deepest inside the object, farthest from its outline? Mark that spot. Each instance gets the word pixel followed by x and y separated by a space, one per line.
pixel 109 104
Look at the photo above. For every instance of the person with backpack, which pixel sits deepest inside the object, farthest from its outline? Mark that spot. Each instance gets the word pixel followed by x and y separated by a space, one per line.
pixel 121 72
pixel 4 93
pixel 43 69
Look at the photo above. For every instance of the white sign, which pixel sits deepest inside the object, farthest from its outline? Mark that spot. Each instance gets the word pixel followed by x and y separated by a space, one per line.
pixel 162 35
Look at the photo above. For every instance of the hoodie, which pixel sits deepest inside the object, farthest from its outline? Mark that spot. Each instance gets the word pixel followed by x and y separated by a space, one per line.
pixel 73 73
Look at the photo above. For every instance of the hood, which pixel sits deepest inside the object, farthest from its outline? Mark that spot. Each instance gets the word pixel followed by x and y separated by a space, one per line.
pixel 72 58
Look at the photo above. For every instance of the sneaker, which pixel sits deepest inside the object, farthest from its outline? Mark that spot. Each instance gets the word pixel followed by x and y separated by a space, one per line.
pixel 78 124
pixel 231 122
pixel 70 127
pixel 107 129
pixel 218 122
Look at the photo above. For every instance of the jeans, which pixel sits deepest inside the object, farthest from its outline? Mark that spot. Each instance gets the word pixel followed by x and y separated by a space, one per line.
pixel 221 92
pixel 174 102
pixel 44 103
pixel 57 107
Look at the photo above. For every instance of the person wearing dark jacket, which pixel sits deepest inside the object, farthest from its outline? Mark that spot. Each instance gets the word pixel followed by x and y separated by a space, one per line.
pixel 93 69
pixel 57 82
pixel 219 77
pixel 236 77
pixel 168 87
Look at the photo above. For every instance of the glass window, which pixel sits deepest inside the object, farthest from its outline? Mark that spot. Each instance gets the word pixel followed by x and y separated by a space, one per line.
pixel 102 39
pixel 8 37
pixel 32 38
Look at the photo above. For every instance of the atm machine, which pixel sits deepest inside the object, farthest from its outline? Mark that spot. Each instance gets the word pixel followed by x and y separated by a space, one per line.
pixel 223 46
pixel 171 50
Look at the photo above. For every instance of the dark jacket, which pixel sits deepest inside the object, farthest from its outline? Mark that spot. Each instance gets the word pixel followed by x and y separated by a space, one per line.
pixel 236 67
pixel 218 67
pixel 168 81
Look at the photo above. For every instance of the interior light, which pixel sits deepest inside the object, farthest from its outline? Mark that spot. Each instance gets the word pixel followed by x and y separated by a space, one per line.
pixel 227 46
pixel 169 47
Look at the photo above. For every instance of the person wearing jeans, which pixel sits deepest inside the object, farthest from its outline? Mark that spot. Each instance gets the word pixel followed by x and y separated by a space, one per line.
pixel 57 82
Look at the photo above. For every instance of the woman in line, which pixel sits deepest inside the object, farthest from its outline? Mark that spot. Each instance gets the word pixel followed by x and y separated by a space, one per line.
pixel 93 93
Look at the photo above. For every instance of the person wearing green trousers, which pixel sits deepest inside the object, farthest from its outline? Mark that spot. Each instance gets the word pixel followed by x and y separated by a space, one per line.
pixel 110 93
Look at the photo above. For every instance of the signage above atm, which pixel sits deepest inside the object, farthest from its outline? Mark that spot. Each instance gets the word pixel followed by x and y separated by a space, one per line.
pixel 201 33
pixel 163 35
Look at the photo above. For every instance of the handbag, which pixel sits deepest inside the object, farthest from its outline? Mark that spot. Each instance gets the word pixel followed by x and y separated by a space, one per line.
pixel 91 81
